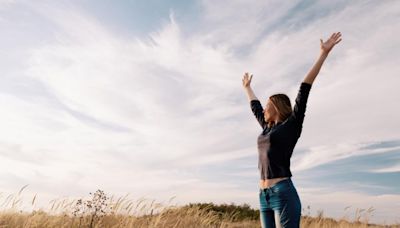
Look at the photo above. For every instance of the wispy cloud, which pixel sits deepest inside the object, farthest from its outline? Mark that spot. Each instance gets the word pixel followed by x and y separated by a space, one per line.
pixel 391 169
pixel 87 105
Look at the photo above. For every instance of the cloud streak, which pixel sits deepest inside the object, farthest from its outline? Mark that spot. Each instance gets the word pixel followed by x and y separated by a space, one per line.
pixel 89 106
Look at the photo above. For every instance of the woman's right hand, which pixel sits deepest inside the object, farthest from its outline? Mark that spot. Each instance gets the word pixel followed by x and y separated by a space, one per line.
pixel 246 80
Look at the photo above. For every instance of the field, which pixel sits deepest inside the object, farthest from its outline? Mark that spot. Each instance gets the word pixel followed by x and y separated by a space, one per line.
pixel 99 210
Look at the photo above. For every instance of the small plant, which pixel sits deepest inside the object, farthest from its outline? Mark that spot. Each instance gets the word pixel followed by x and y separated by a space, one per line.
pixel 95 208
pixel 320 214
pixel 306 213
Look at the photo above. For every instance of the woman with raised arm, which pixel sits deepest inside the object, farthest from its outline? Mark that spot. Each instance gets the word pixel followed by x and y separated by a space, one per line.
pixel 280 204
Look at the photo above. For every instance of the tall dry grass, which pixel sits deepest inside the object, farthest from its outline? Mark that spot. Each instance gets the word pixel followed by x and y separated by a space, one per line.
pixel 100 210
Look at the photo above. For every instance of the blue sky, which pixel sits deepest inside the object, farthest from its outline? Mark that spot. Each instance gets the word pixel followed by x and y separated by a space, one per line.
pixel 145 98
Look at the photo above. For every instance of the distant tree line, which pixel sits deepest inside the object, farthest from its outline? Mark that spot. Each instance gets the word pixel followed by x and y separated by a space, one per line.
pixel 235 212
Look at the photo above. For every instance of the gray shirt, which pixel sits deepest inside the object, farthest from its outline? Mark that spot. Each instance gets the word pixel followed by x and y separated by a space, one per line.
pixel 276 144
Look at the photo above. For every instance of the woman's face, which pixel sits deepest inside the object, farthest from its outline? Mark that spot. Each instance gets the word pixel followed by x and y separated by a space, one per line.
pixel 270 112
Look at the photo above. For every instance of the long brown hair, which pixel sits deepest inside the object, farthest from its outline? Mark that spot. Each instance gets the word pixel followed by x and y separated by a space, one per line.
pixel 283 106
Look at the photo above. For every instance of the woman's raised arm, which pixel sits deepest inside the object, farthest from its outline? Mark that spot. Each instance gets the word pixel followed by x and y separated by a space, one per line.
pixel 255 104
pixel 326 47
pixel 246 85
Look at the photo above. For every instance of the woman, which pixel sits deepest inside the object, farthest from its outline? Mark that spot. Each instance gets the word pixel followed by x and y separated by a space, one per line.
pixel 280 204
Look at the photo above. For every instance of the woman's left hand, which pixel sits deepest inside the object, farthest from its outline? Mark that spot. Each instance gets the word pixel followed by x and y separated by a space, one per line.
pixel 327 46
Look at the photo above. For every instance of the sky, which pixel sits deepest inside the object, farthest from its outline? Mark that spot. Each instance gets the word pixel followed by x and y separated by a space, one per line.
pixel 145 98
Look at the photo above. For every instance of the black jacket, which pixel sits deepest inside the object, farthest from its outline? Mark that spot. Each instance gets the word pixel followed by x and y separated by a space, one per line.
pixel 276 144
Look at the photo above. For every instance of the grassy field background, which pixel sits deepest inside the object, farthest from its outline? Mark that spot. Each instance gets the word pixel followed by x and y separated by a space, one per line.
pixel 100 210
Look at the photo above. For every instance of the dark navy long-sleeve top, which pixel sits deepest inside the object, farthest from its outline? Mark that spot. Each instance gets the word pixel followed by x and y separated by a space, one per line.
pixel 275 144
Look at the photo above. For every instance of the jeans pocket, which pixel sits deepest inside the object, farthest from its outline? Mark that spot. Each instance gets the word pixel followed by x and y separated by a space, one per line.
pixel 281 188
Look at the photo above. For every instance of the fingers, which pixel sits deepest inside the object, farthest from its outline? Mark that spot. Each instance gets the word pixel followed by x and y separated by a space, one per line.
pixel 246 75
pixel 336 36
pixel 246 79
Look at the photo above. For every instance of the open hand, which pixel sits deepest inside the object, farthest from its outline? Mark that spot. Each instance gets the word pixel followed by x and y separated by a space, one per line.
pixel 246 80
pixel 331 42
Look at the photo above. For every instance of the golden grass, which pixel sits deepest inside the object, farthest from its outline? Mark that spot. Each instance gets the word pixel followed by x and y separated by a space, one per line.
pixel 123 212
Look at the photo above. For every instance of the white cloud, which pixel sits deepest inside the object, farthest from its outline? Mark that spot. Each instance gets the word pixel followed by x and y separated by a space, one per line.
pixel 394 168
pixel 334 202
pixel 5 3
pixel 319 155
pixel 113 108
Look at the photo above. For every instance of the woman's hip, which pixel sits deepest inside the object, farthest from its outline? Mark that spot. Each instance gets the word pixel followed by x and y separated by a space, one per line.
pixel 277 196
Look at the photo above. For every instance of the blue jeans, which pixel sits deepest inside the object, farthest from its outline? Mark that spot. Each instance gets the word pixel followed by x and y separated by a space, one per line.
pixel 280 205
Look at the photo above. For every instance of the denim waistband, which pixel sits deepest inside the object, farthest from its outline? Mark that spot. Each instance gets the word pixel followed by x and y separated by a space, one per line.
pixel 277 183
